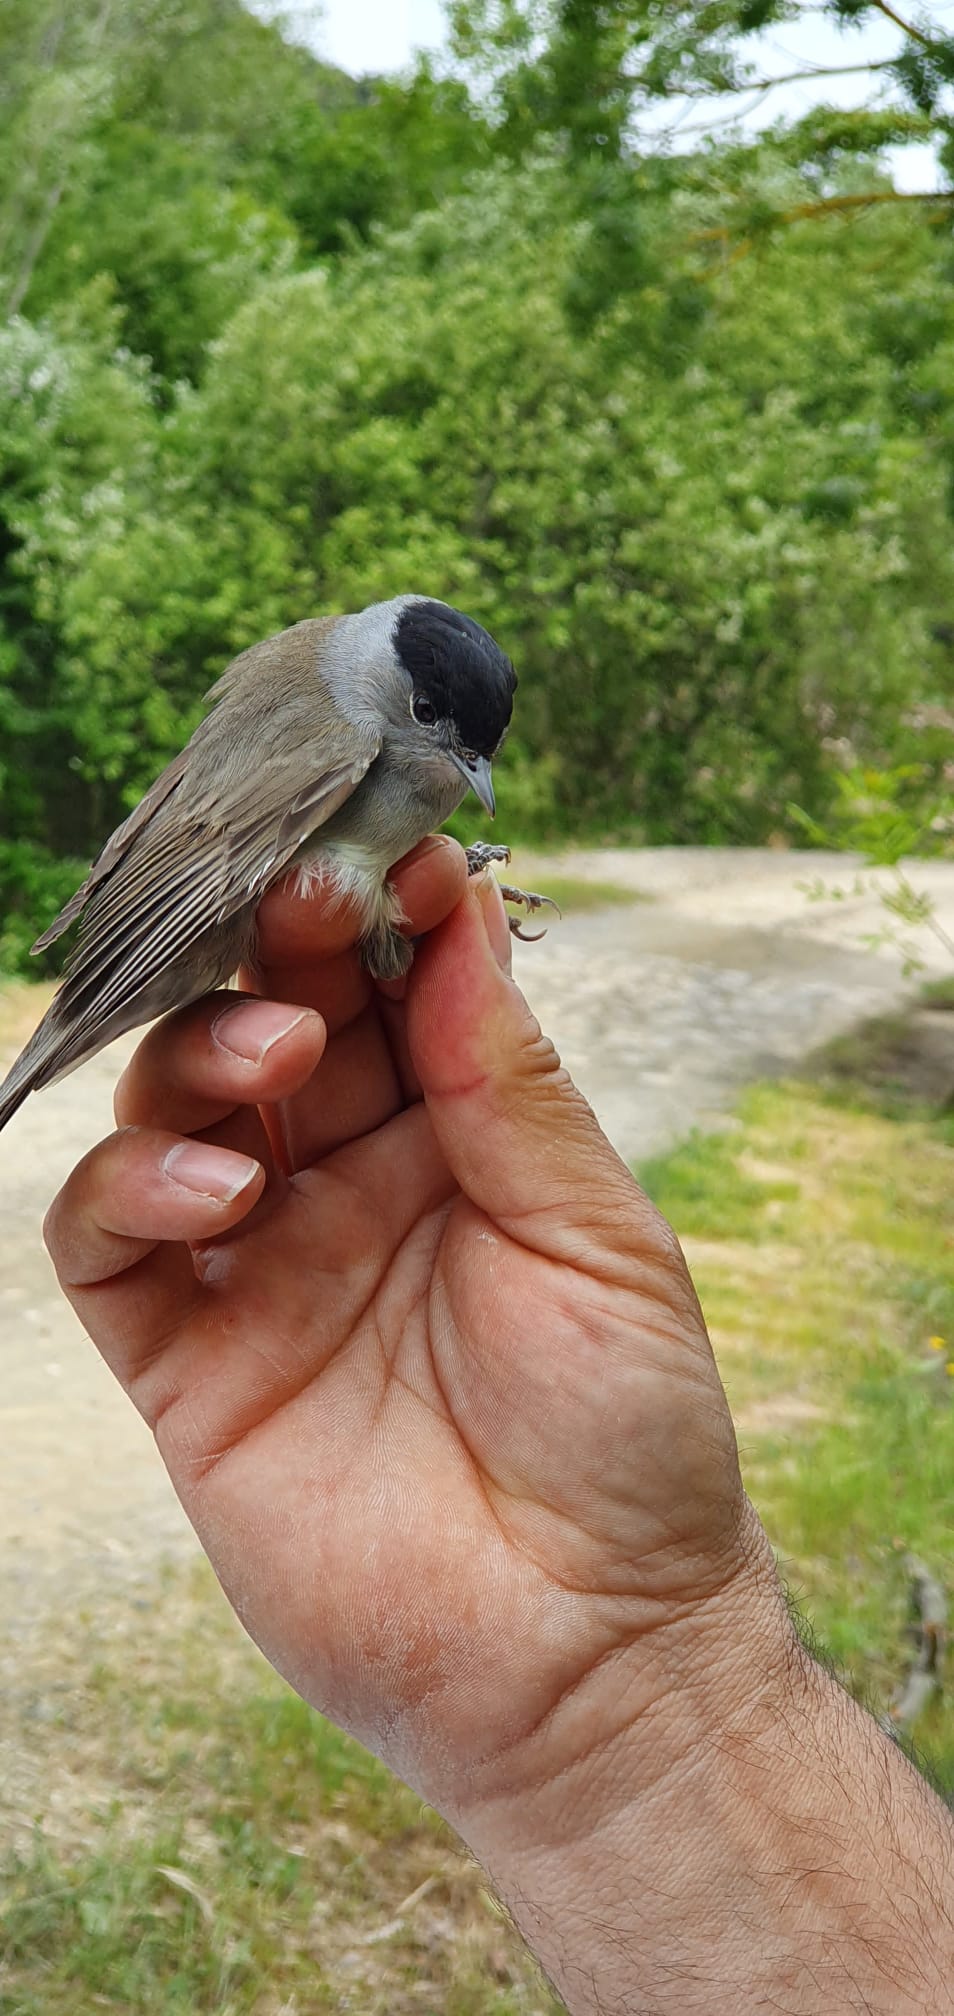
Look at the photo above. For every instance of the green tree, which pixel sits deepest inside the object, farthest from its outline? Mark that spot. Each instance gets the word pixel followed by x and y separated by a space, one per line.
pixel 185 152
pixel 589 70
pixel 690 551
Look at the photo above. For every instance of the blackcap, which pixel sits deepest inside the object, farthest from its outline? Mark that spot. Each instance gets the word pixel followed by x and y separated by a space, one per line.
pixel 336 745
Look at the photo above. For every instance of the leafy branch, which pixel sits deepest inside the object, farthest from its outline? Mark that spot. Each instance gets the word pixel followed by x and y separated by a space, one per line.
pixel 872 818
pixel 907 27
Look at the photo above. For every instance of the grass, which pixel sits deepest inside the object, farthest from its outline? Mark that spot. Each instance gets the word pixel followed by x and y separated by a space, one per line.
pixel 896 1064
pixel 205 1843
pixel 818 1233
pixel 213 1845
pixel 705 1186
pixel 939 993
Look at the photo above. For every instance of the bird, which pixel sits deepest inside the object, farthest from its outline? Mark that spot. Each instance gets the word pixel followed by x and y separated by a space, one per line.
pixel 333 748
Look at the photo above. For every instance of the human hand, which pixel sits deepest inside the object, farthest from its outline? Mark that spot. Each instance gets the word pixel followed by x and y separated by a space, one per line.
pixel 432 1383
pixel 438 1398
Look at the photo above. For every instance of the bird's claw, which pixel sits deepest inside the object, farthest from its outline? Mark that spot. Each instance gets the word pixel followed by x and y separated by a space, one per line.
pixel 530 903
pixel 482 856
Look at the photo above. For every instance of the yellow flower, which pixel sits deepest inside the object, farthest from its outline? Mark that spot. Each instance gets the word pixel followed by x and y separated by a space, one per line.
pixel 949 1368
pixel 938 1343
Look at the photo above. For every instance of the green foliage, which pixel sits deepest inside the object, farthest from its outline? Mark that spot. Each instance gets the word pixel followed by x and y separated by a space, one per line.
pixel 589 72
pixel 884 815
pixel 641 528
pixel 34 886
pixel 888 817
pixel 181 253
pixel 76 450
pixel 184 151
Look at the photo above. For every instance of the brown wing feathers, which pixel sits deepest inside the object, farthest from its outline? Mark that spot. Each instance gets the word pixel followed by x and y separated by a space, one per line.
pixel 203 844
pixel 178 885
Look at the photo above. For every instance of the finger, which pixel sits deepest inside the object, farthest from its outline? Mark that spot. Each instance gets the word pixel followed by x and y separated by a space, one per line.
pixel 337 986
pixel 429 881
pixel 139 1187
pixel 355 1091
pixel 224 1052
pixel 521 1140
pixel 278 1305
pixel 212 1349
pixel 298 931
pixel 360 1084
pixel 118 1229
pixel 394 1023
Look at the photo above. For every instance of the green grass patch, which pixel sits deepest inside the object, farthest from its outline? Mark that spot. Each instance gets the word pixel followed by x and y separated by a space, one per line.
pixel 705 1188
pixel 572 894
pixel 939 993
pixel 214 1845
pixel 901 1065
pixel 819 1236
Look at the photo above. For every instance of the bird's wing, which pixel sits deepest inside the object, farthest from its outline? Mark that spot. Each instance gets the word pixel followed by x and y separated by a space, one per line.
pixel 236 693
pixel 116 846
pixel 190 867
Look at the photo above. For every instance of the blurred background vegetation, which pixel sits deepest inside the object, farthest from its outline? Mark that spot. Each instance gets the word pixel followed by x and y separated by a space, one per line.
pixel 275 341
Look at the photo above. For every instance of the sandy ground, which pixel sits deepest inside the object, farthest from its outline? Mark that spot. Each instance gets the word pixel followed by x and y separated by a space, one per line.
pixel 662 1010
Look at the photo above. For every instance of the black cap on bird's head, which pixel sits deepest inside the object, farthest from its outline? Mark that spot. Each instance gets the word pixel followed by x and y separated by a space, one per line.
pixel 458 671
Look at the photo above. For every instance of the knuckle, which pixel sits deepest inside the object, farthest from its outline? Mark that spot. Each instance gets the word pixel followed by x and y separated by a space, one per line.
pixel 535 1056
pixel 64 1225
pixel 77 1203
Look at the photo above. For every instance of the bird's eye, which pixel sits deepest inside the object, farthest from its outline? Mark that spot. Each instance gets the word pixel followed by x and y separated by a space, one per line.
pixel 423 710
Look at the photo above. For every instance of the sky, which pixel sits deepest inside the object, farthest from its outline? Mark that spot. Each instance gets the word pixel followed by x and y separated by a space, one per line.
pixel 383 35
pixel 379 34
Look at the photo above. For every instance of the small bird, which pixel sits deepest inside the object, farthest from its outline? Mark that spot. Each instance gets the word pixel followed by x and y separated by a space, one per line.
pixel 335 746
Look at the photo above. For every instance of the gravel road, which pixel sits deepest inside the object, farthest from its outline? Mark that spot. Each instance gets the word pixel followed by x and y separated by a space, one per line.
pixel 661 1009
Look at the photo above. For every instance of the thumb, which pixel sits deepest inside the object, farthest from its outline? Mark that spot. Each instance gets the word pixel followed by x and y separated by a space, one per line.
pixel 519 1137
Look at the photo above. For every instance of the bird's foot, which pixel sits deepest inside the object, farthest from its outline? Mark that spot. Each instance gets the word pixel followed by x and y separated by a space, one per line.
pixel 481 856
pixel 530 903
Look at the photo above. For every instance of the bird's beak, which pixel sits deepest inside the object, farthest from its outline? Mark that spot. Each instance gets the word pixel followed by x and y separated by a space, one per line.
pixel 479 776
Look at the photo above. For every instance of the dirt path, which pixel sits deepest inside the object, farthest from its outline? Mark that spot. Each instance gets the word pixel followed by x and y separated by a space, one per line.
pixel 662 1010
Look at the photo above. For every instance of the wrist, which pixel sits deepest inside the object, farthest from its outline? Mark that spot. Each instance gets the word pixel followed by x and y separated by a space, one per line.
pixel 638 1711
pixel 732 1818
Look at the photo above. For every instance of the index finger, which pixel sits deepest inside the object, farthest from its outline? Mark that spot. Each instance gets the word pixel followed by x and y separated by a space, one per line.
pixel 365 1076
pixel 298 928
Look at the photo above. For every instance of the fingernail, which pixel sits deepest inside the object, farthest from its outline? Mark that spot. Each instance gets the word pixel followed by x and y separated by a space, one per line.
pixel 209 1172
pixel 252 1029
pixel 496 921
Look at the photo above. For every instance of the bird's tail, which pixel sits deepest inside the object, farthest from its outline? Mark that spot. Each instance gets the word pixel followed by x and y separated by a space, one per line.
pixel 31 1068
pixel 13 1091
pixel 54 1050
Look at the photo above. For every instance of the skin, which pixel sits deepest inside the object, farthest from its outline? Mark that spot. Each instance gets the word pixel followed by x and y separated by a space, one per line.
pixel 433 1385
